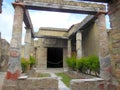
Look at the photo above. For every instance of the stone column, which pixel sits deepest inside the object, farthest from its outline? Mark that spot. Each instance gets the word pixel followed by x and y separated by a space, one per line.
pixel 32 51
pixel 27 44
pixel 79 44
pixel 0 46
pixel 69 48
pixel 105 66
pixel 14 69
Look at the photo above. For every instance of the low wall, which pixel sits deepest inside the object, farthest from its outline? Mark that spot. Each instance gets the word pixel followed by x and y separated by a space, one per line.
pixel 78 75
pixel 91 84
pixel 47 83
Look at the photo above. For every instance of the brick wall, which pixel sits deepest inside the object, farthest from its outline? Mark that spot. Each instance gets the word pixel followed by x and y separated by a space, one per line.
pixel 114 13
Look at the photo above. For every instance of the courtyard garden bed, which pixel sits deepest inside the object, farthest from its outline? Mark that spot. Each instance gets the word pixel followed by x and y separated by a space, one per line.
pixel 43 75
pixel 65 78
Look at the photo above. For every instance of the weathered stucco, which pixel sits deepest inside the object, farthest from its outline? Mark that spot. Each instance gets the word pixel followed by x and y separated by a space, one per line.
pixel 52 32
pixel 90 40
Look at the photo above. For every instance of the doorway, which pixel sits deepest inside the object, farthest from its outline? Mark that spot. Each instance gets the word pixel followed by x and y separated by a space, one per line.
pixel 54 58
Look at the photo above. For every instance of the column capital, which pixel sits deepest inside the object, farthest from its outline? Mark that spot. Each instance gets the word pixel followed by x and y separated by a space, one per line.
pixel 18 4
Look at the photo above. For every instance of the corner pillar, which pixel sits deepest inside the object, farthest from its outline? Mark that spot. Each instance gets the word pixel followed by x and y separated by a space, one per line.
pixel 27 44
pixel 14 68
pixel 104 57
pixel 79 44
pixel 69 48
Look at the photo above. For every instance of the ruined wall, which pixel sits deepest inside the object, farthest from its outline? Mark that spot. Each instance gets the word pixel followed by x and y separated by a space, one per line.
pixel 47 83
pixel 90 40
pixel 4 55
pixel 91 84
pixel 114 13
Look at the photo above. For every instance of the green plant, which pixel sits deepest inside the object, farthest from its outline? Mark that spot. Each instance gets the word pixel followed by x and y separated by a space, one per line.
pixel 65 78
pixel 32 61
pixel 71 62
pixel 43 75
pixel 85 64
pixel 24 64
pixel 82 64
pixel 94 64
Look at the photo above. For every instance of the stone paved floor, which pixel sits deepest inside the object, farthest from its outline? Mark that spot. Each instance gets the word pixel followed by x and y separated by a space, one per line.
pixel 2 76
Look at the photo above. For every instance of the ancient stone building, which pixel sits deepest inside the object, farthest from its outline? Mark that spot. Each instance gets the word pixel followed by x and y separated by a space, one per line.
pixel 4 54
pixel 55 45
pixel 74 39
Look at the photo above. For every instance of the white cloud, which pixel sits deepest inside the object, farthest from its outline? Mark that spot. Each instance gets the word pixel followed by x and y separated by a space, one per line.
pixel 6 19
pixel 54 19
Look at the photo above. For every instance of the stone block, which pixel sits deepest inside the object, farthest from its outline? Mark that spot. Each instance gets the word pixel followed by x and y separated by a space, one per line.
pixel 91 84
pixel 46 83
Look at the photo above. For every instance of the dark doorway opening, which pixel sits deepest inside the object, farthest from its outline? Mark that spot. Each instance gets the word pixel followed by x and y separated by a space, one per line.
pixel 54 58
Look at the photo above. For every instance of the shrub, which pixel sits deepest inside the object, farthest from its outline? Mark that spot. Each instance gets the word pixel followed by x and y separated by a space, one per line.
pixel 24 64
pixel 82 64
pixel 32 61
pixel 27 64
pixel 94 64
pixel 71 62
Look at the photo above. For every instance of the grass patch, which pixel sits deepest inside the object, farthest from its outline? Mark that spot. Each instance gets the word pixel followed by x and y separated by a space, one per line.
pixel 43 75
pixel 65 78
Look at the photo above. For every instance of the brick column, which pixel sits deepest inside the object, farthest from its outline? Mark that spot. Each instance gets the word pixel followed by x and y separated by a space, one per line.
pixel 27 43
pixel 14 69
pixel 79 44
pixel 69 48
pixel 105 65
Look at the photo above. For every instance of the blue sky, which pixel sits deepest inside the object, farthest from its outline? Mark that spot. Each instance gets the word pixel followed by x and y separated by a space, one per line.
pixel 39 19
